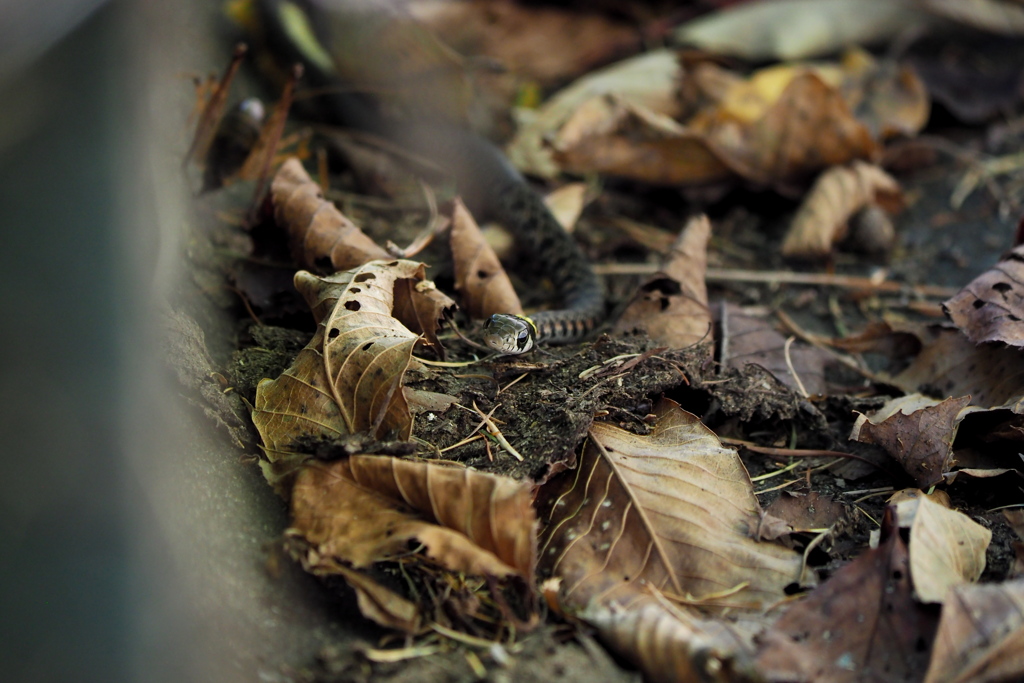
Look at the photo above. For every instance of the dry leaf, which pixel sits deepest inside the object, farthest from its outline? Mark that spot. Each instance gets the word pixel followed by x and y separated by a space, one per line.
pixel 946 547
pixel 479 277
pixel 321 238
pixel 950 363
pixel 991 307
pixel 885 96
pixel 369 509
pixel 981 635
pixel 861 624
pixel 808 512
pixel 348 378
pixel 566 203
pixel 917 431
pixel 997 16
pixel 749 340
pixel 422 307
pixel 839 193
pixel 609 135
pixel 670 644
pixel 796 29
pixel 672 510
pixel 648 81
pixel 672 306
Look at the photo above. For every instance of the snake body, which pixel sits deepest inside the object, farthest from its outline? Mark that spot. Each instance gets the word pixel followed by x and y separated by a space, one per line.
pixel 489 185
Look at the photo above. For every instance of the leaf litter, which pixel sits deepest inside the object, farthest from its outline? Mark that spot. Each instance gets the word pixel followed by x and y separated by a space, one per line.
pixel 728 607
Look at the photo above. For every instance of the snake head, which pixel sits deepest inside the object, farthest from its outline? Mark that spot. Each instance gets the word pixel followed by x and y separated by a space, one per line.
pixel 510 334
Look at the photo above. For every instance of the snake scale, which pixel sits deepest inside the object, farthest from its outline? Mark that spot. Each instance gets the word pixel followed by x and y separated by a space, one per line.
pixel 489 185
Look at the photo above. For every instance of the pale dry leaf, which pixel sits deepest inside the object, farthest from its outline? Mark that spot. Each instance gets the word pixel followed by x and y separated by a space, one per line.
pixel 368 509
pixel 649 80
pixel 422 307
pixel 479 277
pixel 917 431
pixel 946 547
pixel 672 306
pixel 796 29
pixel 673 510
pixel 863 620
pixel 348 378
pixel 991 307
pixel 981 635
pixel 823 217
pixel 566 203
pixel 320 236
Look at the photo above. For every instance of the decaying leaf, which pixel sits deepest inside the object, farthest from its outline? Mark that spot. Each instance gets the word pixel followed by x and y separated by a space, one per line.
pixel 981 635
pixel 368 509
pixel 840 192
pixel 482 282
pixel 348 378
pixel 807 512
pixel 797 29
pixel 321 238
pixel 917 431
pixel 991 307
pixel 672 510
pixel 751 340
pixel 946 547
pixel 672 306
pixel 861 624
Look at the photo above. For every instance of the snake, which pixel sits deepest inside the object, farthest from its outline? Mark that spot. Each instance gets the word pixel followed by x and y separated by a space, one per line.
pixel 491 187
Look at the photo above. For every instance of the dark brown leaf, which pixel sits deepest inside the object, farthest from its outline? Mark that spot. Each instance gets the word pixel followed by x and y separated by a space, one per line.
pixel 991 307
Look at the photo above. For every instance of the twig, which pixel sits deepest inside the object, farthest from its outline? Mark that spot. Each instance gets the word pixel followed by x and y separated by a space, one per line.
pixel 792 370
pixel 785 277
pixel 493 430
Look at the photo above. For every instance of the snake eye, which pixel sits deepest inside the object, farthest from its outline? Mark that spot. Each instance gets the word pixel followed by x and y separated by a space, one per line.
pixel 522 339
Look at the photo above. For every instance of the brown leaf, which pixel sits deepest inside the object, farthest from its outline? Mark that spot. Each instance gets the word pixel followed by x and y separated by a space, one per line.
pixel 481 281
pixel 670 644
pixel 672 510
pixel 321 237
pixel 807 512
pixel 946 547
pixel 981 635
pixel 368 509
pixel 348 378
pixel 616 137
pixel 422 307
pixel 750 340
pixel 861 624
pixel 991 307
pixel 951 364
pixel 837 195
pixel 808 128
pixel 1015 518
pixel 672 306
pixel 917 431
pixel 887 97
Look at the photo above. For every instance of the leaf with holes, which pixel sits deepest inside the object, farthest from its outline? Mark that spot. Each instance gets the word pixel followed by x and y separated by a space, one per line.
pixel 672 306
pixel 348 379
pixel 991 307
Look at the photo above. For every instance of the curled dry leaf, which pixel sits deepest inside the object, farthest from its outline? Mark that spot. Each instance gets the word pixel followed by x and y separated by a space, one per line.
pixel 863 619
pixel 946 547
pixel 348 378
pixel 672 306
pixel 837 195
pixel 321 238
pixel 672 510
pixel 981 635
pixel 750 340
pixel 670 644
pixel 917 431
pixel 991 307
pixel 479 277
pixel 369 509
